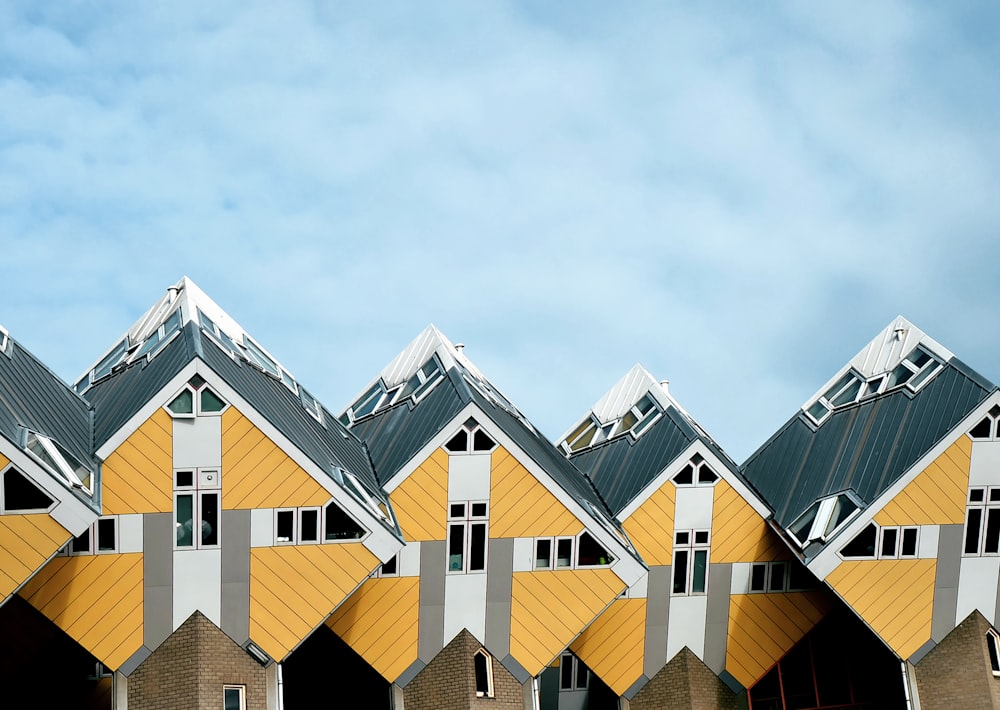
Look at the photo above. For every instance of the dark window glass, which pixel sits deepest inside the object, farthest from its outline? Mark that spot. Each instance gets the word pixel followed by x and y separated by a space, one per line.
pixel 706 475
pixel 478 510
pixel 977 495
pixel 683 538
pixel 777 581
pixel 481 442
pixel 389 568
pixel 458 443
pixel 799 577
pixel 209 518
pixel 543 554
pixel 456 548
pixel 566 673
pixel 991 544
pixel 908 547
pixel 81 543
pixel 991 643
pixel 210 402
pixel 185 520
pixel 863 544
pixel 699 571
pixel 286 526
pixel 339 525
pixel 106 535
pixel 889 536
pixel 582 675
pixel 680 571
pixel 701 537
pixel 21 494
pixel 477 547
pixel 982 429
pixel 310 526
pixel 994 495
pixel 973 521
pixel 482 675
pixel 564 552
pixel 758 577
pixel 590 552
pixel 685 475
pixel 457 510
pixel 185 479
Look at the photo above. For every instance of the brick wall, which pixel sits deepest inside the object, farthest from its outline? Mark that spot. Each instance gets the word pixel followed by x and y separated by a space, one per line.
pixel 685 683
pixel 449 683
pixel 189 669
pixel 957 673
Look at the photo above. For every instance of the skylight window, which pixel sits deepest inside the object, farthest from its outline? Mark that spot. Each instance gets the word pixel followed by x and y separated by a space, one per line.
pixel 58 460
pixel 4 339
pixel 823 518
pixel 637 419
pixel 379 396
pixel 913 371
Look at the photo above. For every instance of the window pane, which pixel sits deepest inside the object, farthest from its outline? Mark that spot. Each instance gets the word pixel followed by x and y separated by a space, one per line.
pixel 991 643
pixel 457 510
pixel 566 673
pixel 232 699
pixel 477 547
pixel 908 548
pixel 106 535
pixel 863 544
pixel 699 572
pixel 758 577
pixel 564 553
pixel 590 552
pixel 21 494
pixel 310 526
pixel 582 675
pixel 777 582
pixel 285 526
pixel 185 520
pixel 889 542
pixel 458 443
pixel 482 675
pixel 680 571
pixel 456 548
pixel 543 554
pixel 991 544
pixel 210 401
pixel 209 518
pixel 81 543
pixel 183 403
pixel 389 568
pixel 973 521
pixel 685 476
pixel 478 510
pixel 340 525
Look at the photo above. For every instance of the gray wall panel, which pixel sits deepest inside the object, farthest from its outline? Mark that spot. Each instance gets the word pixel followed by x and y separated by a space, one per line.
pixel 498 596
pixel 430 631
pixel 158 534
pixel 657 613
pixel 236 574
pixel 720 579
pixel 949 565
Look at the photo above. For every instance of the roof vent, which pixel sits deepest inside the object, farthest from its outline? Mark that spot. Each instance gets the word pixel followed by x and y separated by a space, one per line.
pixel 459 347
pixel 665 384
pixel 172 291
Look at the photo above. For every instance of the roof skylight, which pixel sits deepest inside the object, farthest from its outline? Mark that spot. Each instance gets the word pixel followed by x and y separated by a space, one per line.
pixel 913 371
pixel 59 461
pixel 636 420
pixel 823 518
pixel 379 396
pixel 131 348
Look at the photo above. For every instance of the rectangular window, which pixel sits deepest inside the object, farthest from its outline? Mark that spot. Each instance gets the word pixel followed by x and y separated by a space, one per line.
pixel 573 674
pixel 889 539
pixel 197 507
pixel 309 525
pixel 690 574
pixel 908 545
pixel 234 697
pixel 778 577
pixel 390 568
pixel 467 536
pixel 758 577
pixel 982 522
pixel 284 526
pixel 543 553
pixel 564 552
pixel 107 539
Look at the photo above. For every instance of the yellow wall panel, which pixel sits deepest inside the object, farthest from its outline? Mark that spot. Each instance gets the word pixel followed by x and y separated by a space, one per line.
pixel 26 542
pixel 895 597
pixel 613 645
pixel 138 476
pixel 549 609
pixel 256 473
pixel 937 495
pixel 3 461
pixel 293 588
pixel 739 534
pixel 520 506
pixel 96 599
pixel 421 501
pixel 651 526
pixel 764 627
pixel 379 621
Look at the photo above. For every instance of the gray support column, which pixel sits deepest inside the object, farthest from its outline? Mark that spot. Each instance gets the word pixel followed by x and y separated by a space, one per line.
pixel 430 628
pixel 657 614
pixel 949 566
pixel 236 574
pixel 158 537
pixel 499 588
pixel 720 580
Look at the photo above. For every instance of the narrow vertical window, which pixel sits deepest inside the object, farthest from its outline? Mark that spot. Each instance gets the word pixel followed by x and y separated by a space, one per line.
pixel 467 536
pixel 209 519
pixel 482 663
pixel 477 547
pixel 758 577
pixel 234 697
pixel 456 548
pixel 889 538
pixel 543 553
pixel 908 545
pixel 309 525
pixel 993 644
pixel 690 573
pixel 106 537
pixel 184 519
pixel 284 522
pixel 564 552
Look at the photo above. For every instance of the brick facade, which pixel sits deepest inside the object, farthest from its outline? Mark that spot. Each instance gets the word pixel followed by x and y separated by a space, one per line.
pixel 685 683
pixel 957 674
pixel 189 669
pixel 448 682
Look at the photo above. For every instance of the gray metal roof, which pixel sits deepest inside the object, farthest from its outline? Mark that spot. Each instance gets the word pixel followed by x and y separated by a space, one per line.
pixel 864 447
pixel 118 397
pixel 33 397
pixel 621 467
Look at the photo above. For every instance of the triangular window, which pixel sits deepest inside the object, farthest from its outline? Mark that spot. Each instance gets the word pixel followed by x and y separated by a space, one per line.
pixel 470 439
pixel 21 495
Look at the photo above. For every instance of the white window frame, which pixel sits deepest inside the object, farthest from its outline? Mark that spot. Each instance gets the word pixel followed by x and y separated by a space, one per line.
pixel 570 660
pixel 206 481
pixel 693 548
pixel 93 538
pixel 696 464
pixel 63 467
pixel 466 522
pixel 985 507
pixel 993 651
pixel 23 511
pixel 241 689
pixel 488 691
pixel 339 540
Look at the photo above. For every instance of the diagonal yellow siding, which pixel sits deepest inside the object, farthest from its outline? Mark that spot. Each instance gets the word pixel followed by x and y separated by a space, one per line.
pixel 739 534
pixel 293 588
pixel 26 542
pixel 895 597
pixel 651 526
pixel 520 506
pixel 548 610
pixel 256 473
pixel 937 495
pixel 3 461
pixel 421 501
pixel 138 476
pixel 612 647
pixel 379 621
pixel 96 599
pixel 764 627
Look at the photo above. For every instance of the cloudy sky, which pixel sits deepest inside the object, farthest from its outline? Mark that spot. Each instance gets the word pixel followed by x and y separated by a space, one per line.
pixel 738 197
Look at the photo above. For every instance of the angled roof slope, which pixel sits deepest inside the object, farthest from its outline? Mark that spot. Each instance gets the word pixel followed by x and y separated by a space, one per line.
pixel 202 330
pixel 621 464
pixel 395 432
pixel 873 424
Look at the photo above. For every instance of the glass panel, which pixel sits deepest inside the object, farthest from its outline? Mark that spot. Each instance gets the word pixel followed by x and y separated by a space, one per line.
pixel 566 673
pixel 21 494
pixel 210 402
pixel 285 526
pixel 701 537
pixel 582 675
pixel 680 571
pixel 104 366
pixel 699 571
pixel 800 528
pixel 310 526
pixel 232 699
pixel 481 442
pixel 991 543
pixel 908 548
pixel 366 403
pixel 889 542
pixel 482 675
pixel 994 495
pixel 185 520
pixel 81 543
pixel 900 375
pixel 459 443
pixel 818 411
pixel 590 552
pixel 582 436
pixel 991 643
pixel 758 577
pixel 682 538
pixel 982 429
pixel 918 357
pixel 564 552
pixel 863 544
pixel 339 525
pixel 685 476
pixel 258 356
pixel 478 510
pixel 628 421
pixel 977 495
pixel 543 554
pixel 183 403
pixel 456 548
pixel 78 469
pixel 389 568
pixel 973 521
pixel 848 394
pixel 839 385
pixel 706 475
pixel 477 547
pixel 777 581
pixel 185 479
pixel 106 535
pixel 457 510
pixel 209 519
pixel 799 578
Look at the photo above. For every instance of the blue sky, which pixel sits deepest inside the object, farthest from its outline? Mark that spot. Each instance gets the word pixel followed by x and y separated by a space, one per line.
pixel 738 196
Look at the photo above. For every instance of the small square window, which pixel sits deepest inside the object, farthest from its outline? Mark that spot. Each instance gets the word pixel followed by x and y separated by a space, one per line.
pixel 234 697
